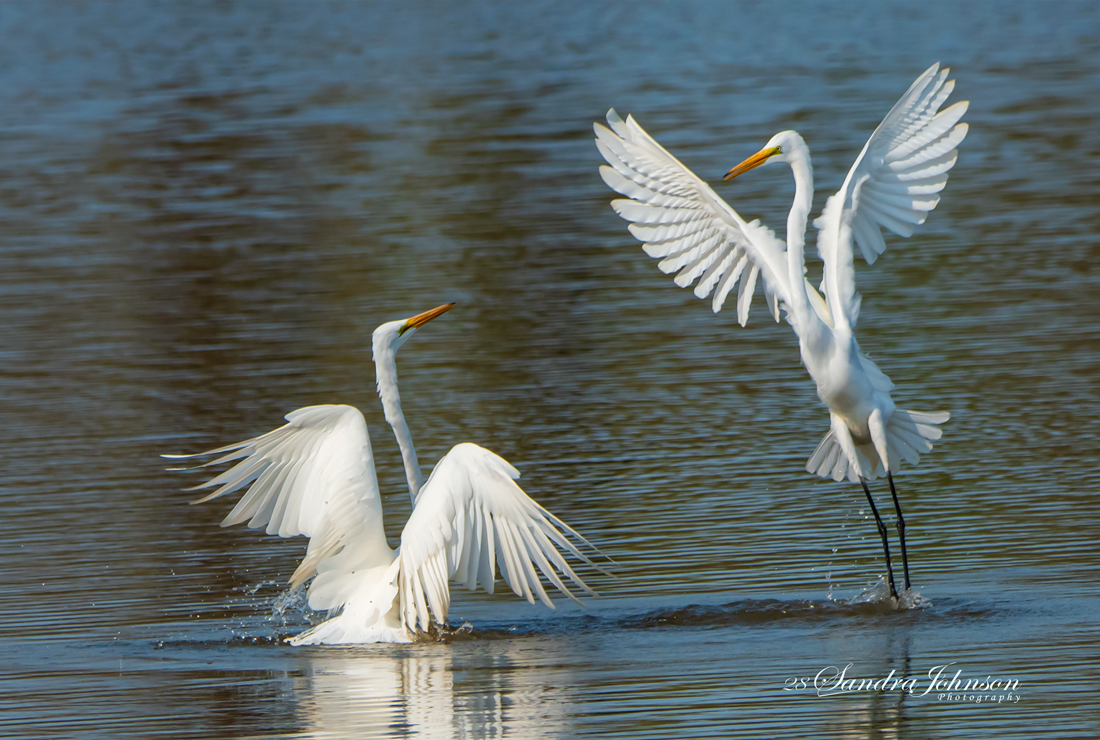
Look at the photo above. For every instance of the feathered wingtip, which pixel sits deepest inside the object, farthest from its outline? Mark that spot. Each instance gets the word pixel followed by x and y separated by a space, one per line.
pixel 617 124
pixel 235 452
pixel 240 474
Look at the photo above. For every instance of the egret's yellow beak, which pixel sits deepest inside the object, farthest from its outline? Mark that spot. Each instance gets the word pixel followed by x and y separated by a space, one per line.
pixel 422 318
pixel 753 162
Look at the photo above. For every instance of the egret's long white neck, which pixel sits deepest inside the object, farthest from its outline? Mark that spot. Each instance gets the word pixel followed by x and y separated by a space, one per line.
pixel 385 368
pixel 796 231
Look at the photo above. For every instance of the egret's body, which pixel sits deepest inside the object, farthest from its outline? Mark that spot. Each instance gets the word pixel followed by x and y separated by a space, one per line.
pixel 893 185
pixel 315 477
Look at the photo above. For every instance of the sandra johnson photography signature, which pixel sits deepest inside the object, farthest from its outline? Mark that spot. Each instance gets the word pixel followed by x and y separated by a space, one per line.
pixel 941 684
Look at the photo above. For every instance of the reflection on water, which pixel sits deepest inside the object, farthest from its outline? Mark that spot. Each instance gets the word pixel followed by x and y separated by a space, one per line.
pixel 207 207
pixel 434 695
pixel 361 696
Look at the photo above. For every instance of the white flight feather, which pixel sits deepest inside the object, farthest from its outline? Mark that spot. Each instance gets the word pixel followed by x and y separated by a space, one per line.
pixel 894 184
pixel 681 219
pixel 315 477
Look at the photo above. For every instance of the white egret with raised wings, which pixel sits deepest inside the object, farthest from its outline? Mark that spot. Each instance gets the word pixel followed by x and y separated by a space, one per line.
pixel 315 477
pixel 893 184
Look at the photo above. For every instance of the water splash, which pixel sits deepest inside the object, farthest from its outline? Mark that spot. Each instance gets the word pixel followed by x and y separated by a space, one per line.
pixel 879 593
pixel 293 600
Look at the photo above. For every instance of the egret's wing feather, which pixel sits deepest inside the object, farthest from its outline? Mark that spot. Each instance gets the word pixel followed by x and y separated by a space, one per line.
pixel 312 477
pixel 471 517
pixel 684 223
pixel 893 184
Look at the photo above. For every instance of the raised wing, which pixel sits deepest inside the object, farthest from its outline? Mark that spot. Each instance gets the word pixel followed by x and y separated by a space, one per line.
pixel 893 184
pixel 470 516
pixel 313 477
pixel 682 221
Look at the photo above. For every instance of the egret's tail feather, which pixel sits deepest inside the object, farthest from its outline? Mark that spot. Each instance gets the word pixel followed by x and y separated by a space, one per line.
pixel 828 460
pixel 370 614
pixel 909 434
pixel 331 632
pixel 346 629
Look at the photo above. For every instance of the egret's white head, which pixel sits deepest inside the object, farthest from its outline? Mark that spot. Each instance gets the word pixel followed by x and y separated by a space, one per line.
pixel 389 337
pixel 786 146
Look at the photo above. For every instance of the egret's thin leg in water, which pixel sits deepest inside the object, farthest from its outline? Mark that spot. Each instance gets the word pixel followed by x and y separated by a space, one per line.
pixel 882 533
pixel 901 528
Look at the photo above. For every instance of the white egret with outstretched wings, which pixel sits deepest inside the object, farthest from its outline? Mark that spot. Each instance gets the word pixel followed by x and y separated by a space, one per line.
pixel 315 477
pixel 893 184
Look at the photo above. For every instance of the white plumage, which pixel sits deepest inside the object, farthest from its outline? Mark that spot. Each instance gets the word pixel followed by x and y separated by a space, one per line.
pixel 315 477
pixel 893 184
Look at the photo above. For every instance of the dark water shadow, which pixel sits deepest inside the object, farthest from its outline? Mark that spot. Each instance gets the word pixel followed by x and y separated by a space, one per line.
pixel 744 612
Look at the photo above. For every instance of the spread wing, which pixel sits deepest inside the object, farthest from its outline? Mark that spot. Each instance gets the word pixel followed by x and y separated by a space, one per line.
pixel 893 184
pixel 682 221
pixel 470 517
pixel 312 477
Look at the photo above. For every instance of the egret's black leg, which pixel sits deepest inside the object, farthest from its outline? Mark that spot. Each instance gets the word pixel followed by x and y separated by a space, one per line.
pixel 901 528
pixel 882 533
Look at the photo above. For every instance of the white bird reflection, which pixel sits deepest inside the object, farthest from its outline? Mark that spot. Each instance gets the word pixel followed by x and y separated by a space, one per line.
pixel 365 693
